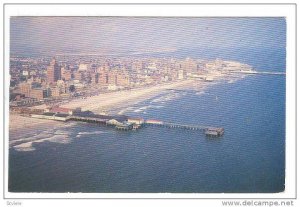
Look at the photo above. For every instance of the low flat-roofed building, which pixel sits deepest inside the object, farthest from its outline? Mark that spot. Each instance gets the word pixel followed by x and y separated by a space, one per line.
pixel 51 116
pixel 153 121
pixel 38 93
pixel 62 110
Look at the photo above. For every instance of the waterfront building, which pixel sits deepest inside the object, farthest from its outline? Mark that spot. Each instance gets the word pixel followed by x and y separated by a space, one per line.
pixel 94 78
pixel 83 67
pixel 153 121
pixel 53 72
pixel 38 93
pixel 136 67
pixel 25 89
pixel 28 91
pixel 180 74
pixel 103 78
pixel 51 116
pixel 78 75
pixel 55 92
pixel 136 121
pixel 122 79
pixel 189 65
pixel 66 74
pixel 112 78
pixel 23 102
pixel 57 109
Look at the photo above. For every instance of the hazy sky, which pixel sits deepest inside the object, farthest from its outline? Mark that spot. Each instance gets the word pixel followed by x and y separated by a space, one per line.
pixel 111 35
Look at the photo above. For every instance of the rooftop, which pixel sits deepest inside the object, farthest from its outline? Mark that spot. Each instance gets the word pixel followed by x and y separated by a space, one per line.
pixel 48 114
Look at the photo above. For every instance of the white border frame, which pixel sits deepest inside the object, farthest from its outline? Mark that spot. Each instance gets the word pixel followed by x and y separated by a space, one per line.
pixel 196 10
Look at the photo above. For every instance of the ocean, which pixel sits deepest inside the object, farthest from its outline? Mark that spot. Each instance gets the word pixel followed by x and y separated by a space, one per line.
pixel 248 158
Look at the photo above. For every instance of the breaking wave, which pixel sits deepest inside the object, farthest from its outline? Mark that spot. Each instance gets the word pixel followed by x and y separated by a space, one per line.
pixel 56 136
pixel 89 133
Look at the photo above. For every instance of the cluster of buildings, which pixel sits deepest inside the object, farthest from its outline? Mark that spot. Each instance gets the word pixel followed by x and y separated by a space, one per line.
pixel 36 80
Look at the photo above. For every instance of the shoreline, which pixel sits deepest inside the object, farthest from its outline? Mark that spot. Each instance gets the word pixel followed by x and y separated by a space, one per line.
pixel 116 101
pixel 21 126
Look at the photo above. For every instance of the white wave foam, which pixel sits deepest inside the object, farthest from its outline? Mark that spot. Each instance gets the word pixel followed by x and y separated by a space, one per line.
pixel 145 107
pixel 62 132
pixel 89 133
pixel 231 81
pixel 137 110
pixel 126 110
pixel 70 124
pixel 59 136
pixel 62 139
pixel 168 97
pixel 157 107
pixel 200 93
pixel 25 147
pixel 36 137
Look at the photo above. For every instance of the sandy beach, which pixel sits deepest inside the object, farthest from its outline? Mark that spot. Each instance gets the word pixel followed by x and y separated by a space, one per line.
pixel 120 99
pixel 20 126
pixel 111 102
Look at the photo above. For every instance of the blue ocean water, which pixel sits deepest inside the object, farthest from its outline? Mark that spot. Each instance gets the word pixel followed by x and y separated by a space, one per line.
pixel 250 157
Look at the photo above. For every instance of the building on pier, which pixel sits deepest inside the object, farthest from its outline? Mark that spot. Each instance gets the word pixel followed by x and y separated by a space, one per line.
pixel 153 121
pixel 214 132
pixel 138 121
pixel 124 126
pixel 51 116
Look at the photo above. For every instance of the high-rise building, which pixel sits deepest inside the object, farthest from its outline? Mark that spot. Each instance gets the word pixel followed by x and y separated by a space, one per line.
pixel 28 91
pixel 94 78
pixel 66 74
pixel 122 79
pixel 25 89
pixel 180 74
pixel 112 78
pixel 79 75
pixel 103 78
pixel 53 72
pixel 38 93
pixel 189 65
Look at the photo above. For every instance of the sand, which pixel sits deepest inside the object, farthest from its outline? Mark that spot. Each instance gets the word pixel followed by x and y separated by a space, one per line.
pixel 111 102
pixel 20 126
pixel 107 102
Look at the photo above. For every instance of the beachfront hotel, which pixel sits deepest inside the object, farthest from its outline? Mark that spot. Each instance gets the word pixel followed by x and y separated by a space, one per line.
pixel 53 72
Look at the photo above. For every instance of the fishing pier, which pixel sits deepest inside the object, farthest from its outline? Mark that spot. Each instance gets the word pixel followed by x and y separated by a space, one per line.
pixel 209 131
pixel 125 123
